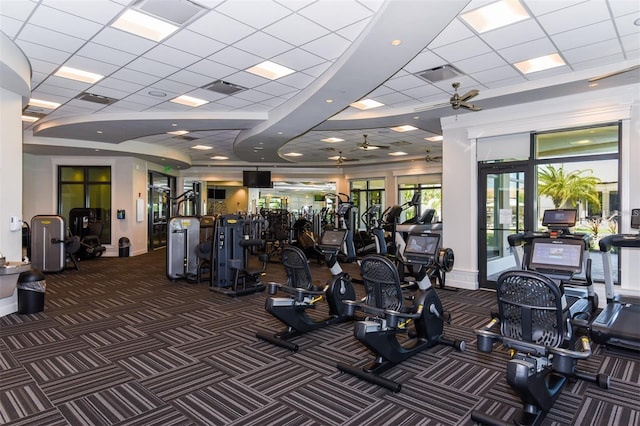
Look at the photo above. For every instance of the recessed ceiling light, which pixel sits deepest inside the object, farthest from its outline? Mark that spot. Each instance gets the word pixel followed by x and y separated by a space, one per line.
pixel 405 128
pixel 397 153
pixel 332 140
pixel 293 154
pixel 157 93
pixel 99 132
pixel 78 75
pixel 219 157
pixel 495 15
pixel 30 119
pixel 396 42
pixel 43 104
pixel 366 104
pixel 270 70
pixel 329 101
pixel 202 147
pixel 434 138
pixel 178 132
pixel 540 64
pixel 189 101
pixel 144 25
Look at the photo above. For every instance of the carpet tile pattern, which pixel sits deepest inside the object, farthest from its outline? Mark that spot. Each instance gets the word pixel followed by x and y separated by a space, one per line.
pixel 120 344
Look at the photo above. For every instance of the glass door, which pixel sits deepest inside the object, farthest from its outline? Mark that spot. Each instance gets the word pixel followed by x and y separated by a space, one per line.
pixel 501 213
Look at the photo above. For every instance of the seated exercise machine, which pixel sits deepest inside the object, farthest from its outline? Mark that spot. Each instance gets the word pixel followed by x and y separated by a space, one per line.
pixel 231 272
pixel 534 324
pixel 618 323
pixel 304 295
pixel 388 316
pixel 182 243
pixel 87 224
pixel 579 292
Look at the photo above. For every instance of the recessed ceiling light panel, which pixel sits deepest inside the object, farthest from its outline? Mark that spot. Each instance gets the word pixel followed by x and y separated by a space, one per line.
pixel 540 64
pixel 189 101
pixel 405 128
pixel 78 75
pixel 366 104
pixel 43 104
pixel 332 140
pixel 270 70
pixel 144 25
pixel 495 15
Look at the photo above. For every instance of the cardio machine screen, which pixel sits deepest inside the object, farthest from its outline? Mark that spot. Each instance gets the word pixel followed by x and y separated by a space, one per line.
pixel 343 209
pixel 421 246
pixel 554 218
pixel 333 238
pixel 556 255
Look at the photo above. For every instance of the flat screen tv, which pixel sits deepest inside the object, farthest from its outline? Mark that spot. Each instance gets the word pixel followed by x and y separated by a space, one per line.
pixel 256 179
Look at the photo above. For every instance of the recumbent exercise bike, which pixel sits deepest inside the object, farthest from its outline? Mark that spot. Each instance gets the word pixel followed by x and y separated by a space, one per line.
pixel 388 316
pixel 304 295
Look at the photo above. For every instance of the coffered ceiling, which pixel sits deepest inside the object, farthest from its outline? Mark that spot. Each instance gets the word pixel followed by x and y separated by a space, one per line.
pixel 339 51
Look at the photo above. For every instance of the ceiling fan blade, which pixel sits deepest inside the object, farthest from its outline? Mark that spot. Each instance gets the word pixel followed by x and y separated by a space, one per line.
pixel 470 94
pixel 612 74
pixel 470 107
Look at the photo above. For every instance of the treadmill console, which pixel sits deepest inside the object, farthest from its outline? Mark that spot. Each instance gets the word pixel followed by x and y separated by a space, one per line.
pixel 331 240
pixel 556 257
pixel 559 219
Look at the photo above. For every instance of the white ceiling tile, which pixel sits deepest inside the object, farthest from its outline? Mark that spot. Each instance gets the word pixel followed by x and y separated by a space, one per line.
pixel 252 95
pixel 542 7
pixel 190 78
pixel 39 35
pixel 63 93
pixel 152 67
pixel 630 43
pixel 63 22
pixel 263 45
pixel 83 105
pixel 584 36
pixel 511 35
pixel 220 27
pixel 296 29
pixel 234 102
pixel 623 7
pixel 10 26
pixel 194 43
pixel 44 53
pixel 318 70
pixel 530 50
pixel 211 69
pixel 425 60
pixel 172 88
pixel 593 51
pixel 169 55
pixel 462 49
pixel 106 54
pixel 324 13
pixel 480 63
pixel 548 73
pixel 117 84
pixel 91 65
pixel 236 58
pixel 134 76
pixel 17 9
pixel 141 99
pixel 276 89
pixel 404 82
pixel 205 94
pixel 298 80
pixel 123 40
pixel 599 60
pixel 101 11
pixel 625 25
pixel 352 32
pixel 579 15
pixel 454 32
pixel 245 79
pixel 392 98
pixel 425 91
pixel 270 12
pixel 329 47
pixel 298 59
pixel 495 74
pixel 110 92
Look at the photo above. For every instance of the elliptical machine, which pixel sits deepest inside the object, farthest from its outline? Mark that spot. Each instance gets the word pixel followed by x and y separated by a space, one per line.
pixel 388 316
pixel 304 295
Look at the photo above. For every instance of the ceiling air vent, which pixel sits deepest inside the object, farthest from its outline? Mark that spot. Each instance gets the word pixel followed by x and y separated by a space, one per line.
pixel 224 87
pixel 176 11
pixel 97 99
pixel 440 73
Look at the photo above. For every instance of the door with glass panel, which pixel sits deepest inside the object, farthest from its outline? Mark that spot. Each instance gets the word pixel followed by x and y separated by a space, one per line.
pixel 501 213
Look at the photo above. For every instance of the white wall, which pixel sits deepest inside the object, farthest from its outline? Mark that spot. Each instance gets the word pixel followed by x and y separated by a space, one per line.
pixel 460 201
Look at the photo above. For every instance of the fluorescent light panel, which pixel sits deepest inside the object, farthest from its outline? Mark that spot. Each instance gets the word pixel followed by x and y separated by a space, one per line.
pixel 434 138
pixel 219 157
pixel 540 64
pixel 332 140
pixel 495 15
pixel 30 119
pixel 270 70
pixel 78 75
pixel 405 128
pixel 366 104
pixel 202 147
pixel 397 153
pixel 144 25
pixel 293 154
pixel 189 101
pixel 178 132
pixel 43 104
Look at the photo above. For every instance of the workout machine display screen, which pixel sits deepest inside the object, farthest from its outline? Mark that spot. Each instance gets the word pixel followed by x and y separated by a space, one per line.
pixel 343 209
pixel 333 238
pixel 421 246
pixel 556 256
pixel 565 218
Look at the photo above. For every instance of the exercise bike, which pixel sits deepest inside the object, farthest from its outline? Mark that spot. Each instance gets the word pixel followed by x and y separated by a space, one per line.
pixel 388 316
pixel 535 325
pixel 304 295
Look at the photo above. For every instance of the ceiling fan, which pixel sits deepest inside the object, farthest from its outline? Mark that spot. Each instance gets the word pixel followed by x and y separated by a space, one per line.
pixel 460 101
pixel 366 146
pixel 340 159
pixel 432 158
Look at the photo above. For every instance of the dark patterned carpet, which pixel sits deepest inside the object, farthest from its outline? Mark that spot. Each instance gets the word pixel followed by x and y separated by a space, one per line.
pixel 120 344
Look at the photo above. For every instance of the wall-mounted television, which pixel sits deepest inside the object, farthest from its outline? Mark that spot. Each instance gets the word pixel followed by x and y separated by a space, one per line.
pixel 256 179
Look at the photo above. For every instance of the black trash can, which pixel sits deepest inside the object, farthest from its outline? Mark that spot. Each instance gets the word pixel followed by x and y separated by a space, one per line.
pixel 31 288
pixel 123 247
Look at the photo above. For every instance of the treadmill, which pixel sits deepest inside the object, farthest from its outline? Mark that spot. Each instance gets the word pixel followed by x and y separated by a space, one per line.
pixel 580 293
pixel 617 324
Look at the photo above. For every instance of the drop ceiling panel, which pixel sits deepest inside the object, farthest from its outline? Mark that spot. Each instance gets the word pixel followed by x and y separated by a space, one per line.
pixel 91 65
pixel 579 15
pixel 169 55
pixel 151 67
pixel 64 23
pixel 135 76
pixel 221 28
pixel 122 40
pixel 19 10
pixel 236 58
pixel 106 54
pixel 349 13
pixel 44 53
pixel 462 49
pixel 298 59
pixel 425 60
pixel 269 12
pixel 584 36
pixel 497 74
pixel 456 31
pixel 514 34
pixel 194 43
pixel 47 37
pixel 297 80
pixel 296 30
pixel 97 11
pixel 480 63
pixel 593 51
pixel 263 45
pixel 530 50
pixel 328 47
pixel 214 70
